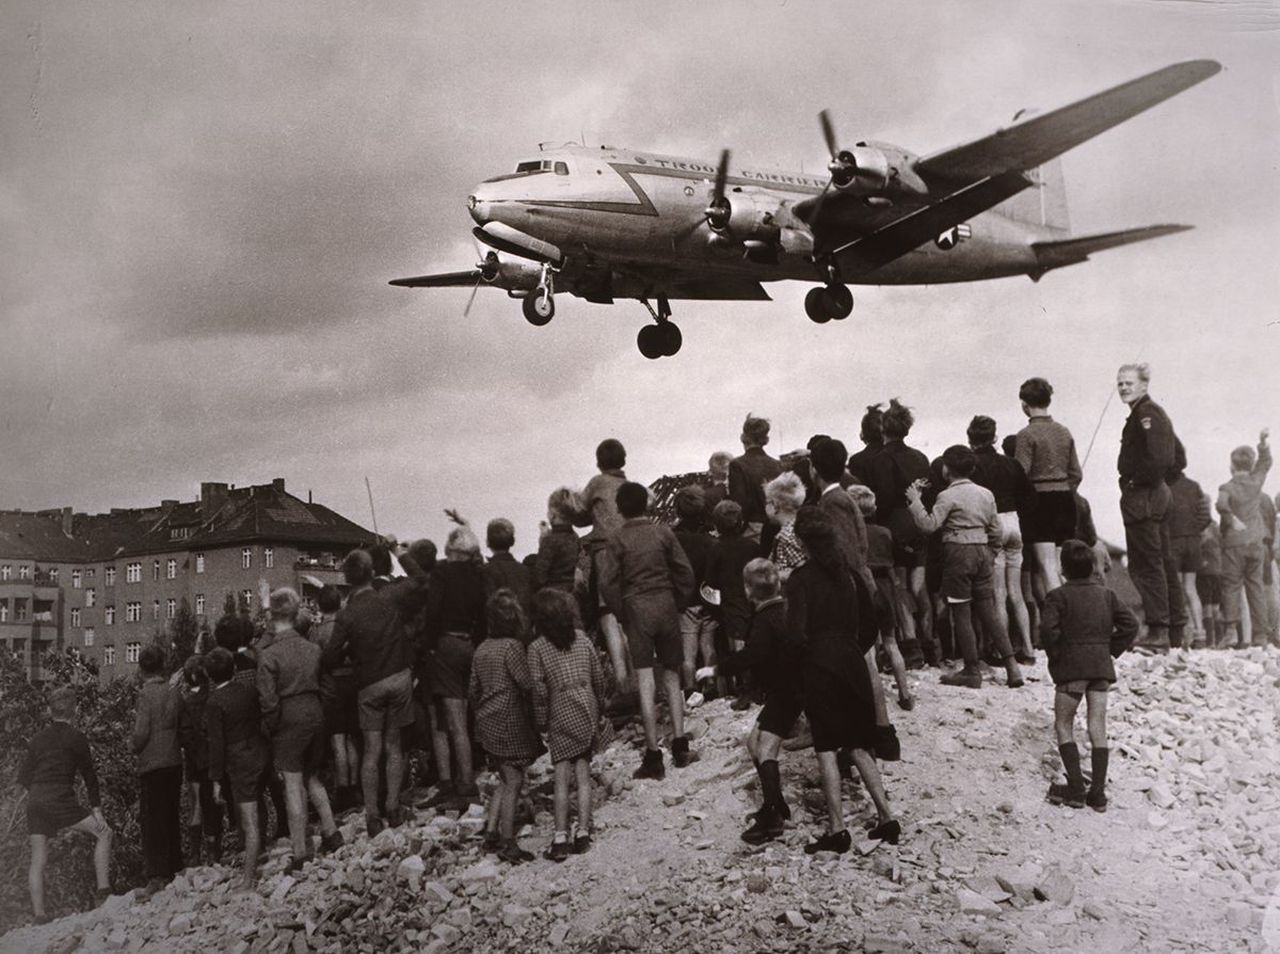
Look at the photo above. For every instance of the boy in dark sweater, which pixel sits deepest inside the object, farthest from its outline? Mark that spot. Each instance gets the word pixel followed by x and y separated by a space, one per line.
pixel 728 557
pixel 48 774
pixel 777 675
pixel 1083 626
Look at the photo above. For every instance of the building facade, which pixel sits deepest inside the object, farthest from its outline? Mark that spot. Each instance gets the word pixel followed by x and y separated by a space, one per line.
pixel 108 584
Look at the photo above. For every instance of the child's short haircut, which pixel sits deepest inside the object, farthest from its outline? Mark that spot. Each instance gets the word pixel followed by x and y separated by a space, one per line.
pixel 959 460
pixel 864 497
pixel 233 632
pixel 284 603
pixel 1077 560
pixel 62 702
pixel 828 458
pixel 193 671
pixel 786 492
pixel 553 617
pixel 691 503
pixel 504 616
pixel 871 430
pixel 727 518
pixel 982 431
pixel 1009 445
pixel 760 579
pixel 462 542
pixel 151 660
pixel 632 499
pixel 500 534
pixel 303 621
pixel 897 421
pixel 220 665
pixel 756 430
pixel 563 505
pixel 611 455
pixel 330 599
pixel 1035 392
pixel 357 568
pixel 1243 458
pixel 423 553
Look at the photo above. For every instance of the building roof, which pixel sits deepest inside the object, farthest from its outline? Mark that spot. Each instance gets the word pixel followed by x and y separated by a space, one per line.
pixel 223 516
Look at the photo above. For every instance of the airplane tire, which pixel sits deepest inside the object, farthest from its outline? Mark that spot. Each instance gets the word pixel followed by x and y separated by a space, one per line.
pixel 539 308
pixel 649 341
pixel 670 338
pixel 815 306
pixel 838 301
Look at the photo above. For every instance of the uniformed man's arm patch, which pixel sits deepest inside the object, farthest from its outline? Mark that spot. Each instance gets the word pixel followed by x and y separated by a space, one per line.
pixel 1146 423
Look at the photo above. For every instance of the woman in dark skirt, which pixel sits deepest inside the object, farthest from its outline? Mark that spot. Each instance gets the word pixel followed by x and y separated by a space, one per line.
pixel 823 620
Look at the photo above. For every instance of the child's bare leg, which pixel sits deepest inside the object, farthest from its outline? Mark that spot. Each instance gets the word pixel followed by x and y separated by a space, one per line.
pixel 35 874
pixel 996 632
pixel 707 641
pixel 648 709
pixel 455 711
pixel 966 639
pixel 877 688
pixel 1100 755
pixel 493 811
pixel 102 835
pixel 752 742
pixel 831 791
pixel 1195 611
pixel 582 768
pixel 675 701
pixel 248 812
pixel 319 797
pixel 688 647
pixel 1020 619
pixel 616 643
pixel 924 614
pixel 1064 716
pixel 870 773
pixel 898 665
pixel 512 776
pixel 1096 703
pixel 562 770
pixel 440 742
pixel 296 805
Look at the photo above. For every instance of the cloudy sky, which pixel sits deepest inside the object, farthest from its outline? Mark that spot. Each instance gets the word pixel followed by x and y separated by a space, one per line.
pixel 201 204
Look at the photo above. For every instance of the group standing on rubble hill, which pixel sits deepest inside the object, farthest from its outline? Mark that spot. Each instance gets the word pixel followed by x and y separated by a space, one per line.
pixel 787 583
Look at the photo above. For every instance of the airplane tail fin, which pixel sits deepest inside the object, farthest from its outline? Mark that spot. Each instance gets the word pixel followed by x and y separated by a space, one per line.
pixel 1044 204
pixel 1056 254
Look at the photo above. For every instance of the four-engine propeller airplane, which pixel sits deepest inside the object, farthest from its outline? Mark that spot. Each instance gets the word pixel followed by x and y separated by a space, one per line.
pixel 609 223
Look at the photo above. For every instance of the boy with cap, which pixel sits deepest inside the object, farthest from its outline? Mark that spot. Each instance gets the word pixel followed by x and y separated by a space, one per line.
pixel 48 774
pixel 967 517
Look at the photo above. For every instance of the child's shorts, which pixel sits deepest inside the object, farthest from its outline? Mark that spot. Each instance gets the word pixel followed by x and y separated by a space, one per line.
pixel 653 631
pixel 1077 687
pixel 48 812
pixel 1209 587
pixel 779 714
pixel 966 572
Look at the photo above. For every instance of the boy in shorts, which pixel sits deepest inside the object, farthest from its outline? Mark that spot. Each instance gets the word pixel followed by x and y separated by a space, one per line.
pixel 970 529
pixel 1084 625
pixel 646 580
pixel 48 774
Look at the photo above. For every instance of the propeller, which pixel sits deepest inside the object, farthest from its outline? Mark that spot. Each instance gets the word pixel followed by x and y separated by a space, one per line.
pixel 486 271
pixel 718 210
pixel 843 167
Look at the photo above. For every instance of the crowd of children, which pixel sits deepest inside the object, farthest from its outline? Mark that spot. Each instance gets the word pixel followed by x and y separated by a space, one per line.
pixel 786 583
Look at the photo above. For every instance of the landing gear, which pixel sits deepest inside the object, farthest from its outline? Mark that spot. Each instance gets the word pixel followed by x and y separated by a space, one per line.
pixel 663 339
pixel 539 306
pixel 828 302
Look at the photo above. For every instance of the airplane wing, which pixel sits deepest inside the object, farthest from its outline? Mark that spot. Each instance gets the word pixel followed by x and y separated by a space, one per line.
pixel 1036 140
pixel 915 228
pixel 1073 250
pixel 439 280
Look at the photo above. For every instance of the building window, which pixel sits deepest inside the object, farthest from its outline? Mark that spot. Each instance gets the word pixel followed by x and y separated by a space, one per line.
pixel 199 562
pixel 109 576
pixel 75 579
pixel 109 615
pixel 269 557
pixel 133 573
pixel 132 651
pixel 75 616
pixel 108 655
pixel 170 609
pixel 246 599
pixel 53 574
pixel 171 570
pixel 90 573
pixel 20 610
pixel 133 611
pixel 6 572
pixel 4 611
pixel 89 635
pixel 155 570
pixel 24 572
pixel 246 558
pixel 155 609
pixel 90 596
pixel 199 604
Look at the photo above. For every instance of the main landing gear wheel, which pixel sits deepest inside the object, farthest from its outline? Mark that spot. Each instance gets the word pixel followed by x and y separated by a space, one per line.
pixel 539 307
pixel 828 302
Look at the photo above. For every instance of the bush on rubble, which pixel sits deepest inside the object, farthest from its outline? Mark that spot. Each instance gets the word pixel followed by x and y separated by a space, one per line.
pixel 104 713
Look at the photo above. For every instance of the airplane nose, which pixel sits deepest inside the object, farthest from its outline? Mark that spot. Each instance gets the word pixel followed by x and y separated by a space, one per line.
pixel 479 207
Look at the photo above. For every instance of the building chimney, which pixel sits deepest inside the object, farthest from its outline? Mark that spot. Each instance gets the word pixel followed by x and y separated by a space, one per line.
pixel 212 497
pixel 277 484
pixel 166 506
pixel 68 521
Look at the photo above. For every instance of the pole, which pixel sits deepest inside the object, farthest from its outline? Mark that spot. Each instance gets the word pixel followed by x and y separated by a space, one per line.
pixel 373 513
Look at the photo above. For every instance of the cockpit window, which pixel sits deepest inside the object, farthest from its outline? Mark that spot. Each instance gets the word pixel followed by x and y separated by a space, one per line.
pixel 562 169
pixel 533 167
pixel 527 167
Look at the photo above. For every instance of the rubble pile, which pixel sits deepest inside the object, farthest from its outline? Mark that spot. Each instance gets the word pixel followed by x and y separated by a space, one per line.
pixel 1186 857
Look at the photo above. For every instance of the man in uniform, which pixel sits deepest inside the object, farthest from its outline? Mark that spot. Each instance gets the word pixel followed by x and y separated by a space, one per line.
pixel 1147 457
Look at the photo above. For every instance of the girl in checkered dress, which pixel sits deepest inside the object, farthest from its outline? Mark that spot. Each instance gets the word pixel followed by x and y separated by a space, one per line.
pixel 568 697
pixel 499 694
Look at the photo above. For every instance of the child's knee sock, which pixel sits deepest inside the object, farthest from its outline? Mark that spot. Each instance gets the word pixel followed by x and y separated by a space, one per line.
pixel 1100 757
pixel 1071 762
pixel 771 783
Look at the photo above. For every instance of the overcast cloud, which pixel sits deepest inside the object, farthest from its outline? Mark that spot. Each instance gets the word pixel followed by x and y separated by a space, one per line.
pixel 200 206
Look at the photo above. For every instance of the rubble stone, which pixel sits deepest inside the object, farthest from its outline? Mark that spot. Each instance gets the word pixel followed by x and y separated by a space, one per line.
pixel 970 902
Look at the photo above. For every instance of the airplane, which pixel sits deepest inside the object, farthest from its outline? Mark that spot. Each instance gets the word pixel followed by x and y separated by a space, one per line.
pixel 608 223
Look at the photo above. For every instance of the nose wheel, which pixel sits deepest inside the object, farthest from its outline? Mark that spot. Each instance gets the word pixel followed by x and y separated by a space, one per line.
pixel 661 340
pixel 539 305
pixel 828 302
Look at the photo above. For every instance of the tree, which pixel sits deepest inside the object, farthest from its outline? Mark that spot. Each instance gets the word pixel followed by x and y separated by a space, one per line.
pixel 184 630
pixel 229 605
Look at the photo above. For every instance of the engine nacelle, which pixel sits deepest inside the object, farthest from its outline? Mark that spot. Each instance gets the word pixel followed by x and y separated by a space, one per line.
pixel 871 170
pixel 516 276
pixel 750 215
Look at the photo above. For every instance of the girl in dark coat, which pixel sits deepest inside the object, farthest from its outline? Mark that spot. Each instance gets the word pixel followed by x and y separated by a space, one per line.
pixel 1083 626
pixel 204 825
pixel 823 621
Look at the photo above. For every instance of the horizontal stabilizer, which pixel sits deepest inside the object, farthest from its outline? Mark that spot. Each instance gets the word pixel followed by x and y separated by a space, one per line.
pixel 1038 139
pixel 441 280
pixel 1073 250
